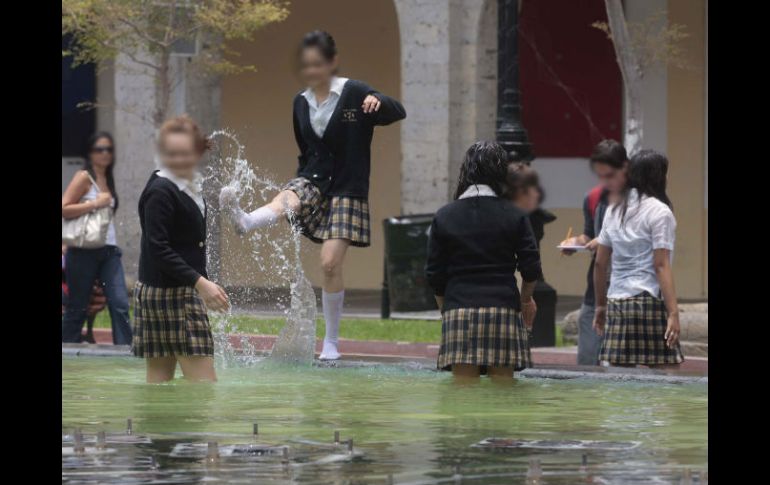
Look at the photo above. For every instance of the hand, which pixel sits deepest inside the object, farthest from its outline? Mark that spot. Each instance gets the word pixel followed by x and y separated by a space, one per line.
pixel 213 295
pixel 572 241
pixel 103 199
pixel 528 312
pixel 371 104
pixel 228 197
pixel 600 318
pixel 672 330
pixel 592 244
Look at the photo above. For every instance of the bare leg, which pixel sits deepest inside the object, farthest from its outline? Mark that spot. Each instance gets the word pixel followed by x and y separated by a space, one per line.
pixel 160 369
pixel 332 256
pixel 285 200
pixel 266 215
pixel 501 374
pixel 198 368
pixel 466 372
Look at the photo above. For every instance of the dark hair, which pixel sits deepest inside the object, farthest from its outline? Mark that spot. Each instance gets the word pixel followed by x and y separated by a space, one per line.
pixel 88 166
pixel 485 163
pixel 321 40
pixel 610 153
pixel 647 174
pixel 520 176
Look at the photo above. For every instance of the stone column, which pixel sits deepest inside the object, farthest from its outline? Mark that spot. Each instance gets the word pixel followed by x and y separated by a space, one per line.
pixel 134 92
pixel 134 99
pixel 425 68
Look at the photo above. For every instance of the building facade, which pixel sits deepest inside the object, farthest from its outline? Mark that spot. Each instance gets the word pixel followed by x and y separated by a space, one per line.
pixel 439 58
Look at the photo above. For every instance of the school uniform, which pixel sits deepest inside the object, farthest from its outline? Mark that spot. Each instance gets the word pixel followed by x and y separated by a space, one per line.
pixel 170 318
pixel 476 245
pixel 636 313
pixel 334 139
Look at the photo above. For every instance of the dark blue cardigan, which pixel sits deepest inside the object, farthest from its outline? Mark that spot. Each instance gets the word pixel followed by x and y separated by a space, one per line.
pixel 339 162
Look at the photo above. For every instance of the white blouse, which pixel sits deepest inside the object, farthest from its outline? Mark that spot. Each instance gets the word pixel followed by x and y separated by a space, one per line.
pixel 91 195
pixel 649 225
pixel 321 114
pixel 192 188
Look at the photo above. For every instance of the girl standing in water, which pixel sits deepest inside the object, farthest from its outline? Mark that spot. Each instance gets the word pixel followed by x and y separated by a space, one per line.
pixel 334 120
pixel 477 243
pixel 640 309
pixel 173 292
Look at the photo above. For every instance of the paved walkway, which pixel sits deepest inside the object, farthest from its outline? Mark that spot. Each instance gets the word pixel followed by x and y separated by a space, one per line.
pixel 366 304
pixel 542 357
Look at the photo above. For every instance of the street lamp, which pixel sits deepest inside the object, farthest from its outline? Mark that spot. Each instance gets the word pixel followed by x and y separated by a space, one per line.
pixel 513 137
pixel 510 132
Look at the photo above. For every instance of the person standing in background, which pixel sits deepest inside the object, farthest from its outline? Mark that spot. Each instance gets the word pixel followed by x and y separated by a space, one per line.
pixel 91 189
pixel 609 162
pixel 328 200
pixel 639 310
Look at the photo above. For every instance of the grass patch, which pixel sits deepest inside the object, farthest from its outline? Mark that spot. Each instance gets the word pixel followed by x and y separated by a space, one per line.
pixel 426 331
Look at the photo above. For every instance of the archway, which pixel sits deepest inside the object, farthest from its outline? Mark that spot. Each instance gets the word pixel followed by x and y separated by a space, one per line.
pixel 257 106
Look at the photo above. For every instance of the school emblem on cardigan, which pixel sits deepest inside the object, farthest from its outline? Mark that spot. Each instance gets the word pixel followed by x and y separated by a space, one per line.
pixel 349 114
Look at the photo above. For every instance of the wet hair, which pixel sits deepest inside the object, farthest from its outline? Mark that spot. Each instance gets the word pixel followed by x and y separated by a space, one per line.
pixel 609 152
pixel 485 163
pixel 520 177
pixel 88 166
pixel 321 40
pixel 647 174
pixel 185 124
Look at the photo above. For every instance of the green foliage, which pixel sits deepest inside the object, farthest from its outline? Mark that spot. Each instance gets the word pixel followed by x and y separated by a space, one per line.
pixel 654 41
pixel 102 29
pixel 427 331
pixel 146 32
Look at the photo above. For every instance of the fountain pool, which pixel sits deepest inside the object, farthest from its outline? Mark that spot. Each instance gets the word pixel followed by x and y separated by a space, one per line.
pixel 408 425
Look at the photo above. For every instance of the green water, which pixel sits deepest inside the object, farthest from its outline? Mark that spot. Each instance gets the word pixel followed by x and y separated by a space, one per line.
pixel 415 425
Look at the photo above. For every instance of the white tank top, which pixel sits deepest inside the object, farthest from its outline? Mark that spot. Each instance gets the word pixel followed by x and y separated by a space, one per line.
pixel 91 195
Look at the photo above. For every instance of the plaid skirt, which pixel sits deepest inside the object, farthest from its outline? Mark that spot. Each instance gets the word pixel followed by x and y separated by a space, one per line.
pixel 635 332
pixel 170 322
pixel 330 217
pixel 484 337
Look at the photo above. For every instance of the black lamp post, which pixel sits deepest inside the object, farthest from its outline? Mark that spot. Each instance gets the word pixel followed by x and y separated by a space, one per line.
pixel 512 136
pixel 510 132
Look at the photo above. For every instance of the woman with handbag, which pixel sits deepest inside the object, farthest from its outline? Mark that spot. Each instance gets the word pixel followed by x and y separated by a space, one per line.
pixel 88 230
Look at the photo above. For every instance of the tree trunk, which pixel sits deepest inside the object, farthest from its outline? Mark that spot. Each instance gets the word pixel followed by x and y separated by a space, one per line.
pixel 632 76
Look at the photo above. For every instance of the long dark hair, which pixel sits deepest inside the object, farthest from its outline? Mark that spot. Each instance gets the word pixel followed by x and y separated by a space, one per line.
pixel 109 172
pixel 485 163
pixel 647 174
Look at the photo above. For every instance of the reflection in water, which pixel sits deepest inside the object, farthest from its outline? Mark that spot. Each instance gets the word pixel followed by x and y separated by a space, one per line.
pixel 414 425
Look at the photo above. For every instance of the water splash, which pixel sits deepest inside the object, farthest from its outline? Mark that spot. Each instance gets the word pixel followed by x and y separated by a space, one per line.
pixel 276 256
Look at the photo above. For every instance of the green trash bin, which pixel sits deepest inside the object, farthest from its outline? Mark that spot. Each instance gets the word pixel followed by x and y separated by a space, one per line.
pixel 406 288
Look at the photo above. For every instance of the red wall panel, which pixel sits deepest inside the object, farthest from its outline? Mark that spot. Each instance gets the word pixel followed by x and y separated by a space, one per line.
pixel 570 82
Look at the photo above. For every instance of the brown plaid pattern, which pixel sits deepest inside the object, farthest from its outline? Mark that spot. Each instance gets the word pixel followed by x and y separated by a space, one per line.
pixel 170 322
pixel 635 332
pixel 488 336
pixel 336 217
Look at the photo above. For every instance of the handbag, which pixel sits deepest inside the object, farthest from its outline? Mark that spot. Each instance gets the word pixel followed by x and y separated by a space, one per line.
pixel 88 231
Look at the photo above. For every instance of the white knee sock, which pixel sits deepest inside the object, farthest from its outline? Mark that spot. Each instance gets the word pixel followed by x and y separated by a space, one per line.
pixel 332 308
pixel 264 216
